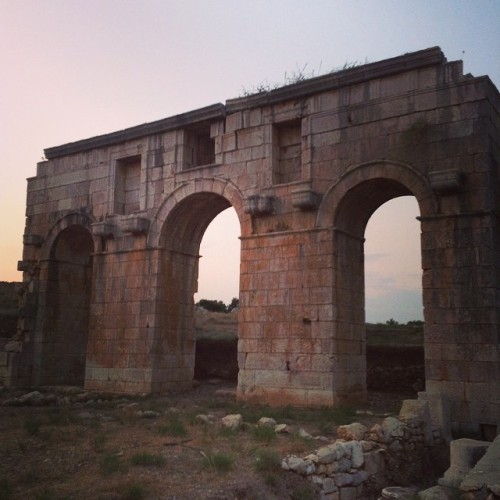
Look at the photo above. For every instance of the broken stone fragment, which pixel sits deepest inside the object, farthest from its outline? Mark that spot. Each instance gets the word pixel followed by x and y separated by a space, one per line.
pixel 298 465
pixel 329 454
pixel 304 434
pixel 203 419
pixel 266 422
pixel 232 422
pixel 148 414
pixel 342 479
pixel 392 428
pixel 352 432
pixel 34 398
pixel 281 429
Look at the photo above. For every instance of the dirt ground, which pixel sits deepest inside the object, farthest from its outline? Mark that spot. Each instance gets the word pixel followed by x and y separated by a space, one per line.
pixel 84 445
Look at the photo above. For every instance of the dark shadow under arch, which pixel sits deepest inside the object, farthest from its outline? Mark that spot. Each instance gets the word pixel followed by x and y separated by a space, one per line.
pixel 64 336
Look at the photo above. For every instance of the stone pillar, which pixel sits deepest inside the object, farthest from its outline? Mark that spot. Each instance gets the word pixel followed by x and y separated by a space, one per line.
pixel 120 332
pixel 286 346
pixel 459 259
pixel 349 319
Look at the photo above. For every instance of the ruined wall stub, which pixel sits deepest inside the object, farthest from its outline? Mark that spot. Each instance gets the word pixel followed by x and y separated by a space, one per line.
pixel 304 166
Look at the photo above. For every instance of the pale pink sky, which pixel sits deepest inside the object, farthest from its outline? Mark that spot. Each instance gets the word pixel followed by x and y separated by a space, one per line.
pixel 72 69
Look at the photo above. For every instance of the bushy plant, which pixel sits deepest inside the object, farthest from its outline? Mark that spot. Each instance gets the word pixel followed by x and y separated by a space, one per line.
pixel 264 434
pixel 111 464
pixel 217 462
pixel 173 427
pixel 266 460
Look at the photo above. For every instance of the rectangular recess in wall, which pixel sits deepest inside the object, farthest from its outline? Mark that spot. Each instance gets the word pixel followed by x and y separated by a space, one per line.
pixel 199 146
pixel 127 185
pixel 287 152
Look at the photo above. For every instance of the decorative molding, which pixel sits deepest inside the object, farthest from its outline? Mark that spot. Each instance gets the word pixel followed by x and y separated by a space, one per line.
pixel 305 199
pixel 258 205
pixel 134 225
pixel 34 240
pixel 445 181
pixel 103 229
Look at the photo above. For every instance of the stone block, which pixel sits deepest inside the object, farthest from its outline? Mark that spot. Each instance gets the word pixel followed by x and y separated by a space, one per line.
pixel 348 493
pixel 417 412
pixel 486 472
pixel 464 455
pixel 375 462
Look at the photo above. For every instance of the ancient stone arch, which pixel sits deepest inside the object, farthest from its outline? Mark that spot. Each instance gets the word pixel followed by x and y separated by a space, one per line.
pixel 63 300
pixel 304 166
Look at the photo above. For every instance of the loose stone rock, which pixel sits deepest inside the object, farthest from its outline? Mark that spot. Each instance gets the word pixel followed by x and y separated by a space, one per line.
pixel 304 434
pixel 352 432
pixel 148 414
pixel 281 429
pixel 267 422
pixel 232 422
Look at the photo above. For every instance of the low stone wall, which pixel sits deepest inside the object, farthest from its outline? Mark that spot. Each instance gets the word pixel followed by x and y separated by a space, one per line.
pixel 362 461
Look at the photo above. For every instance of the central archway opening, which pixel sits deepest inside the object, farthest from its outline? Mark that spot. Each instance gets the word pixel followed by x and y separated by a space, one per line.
pixel 393 299
pixel 175 341
pixel 217 300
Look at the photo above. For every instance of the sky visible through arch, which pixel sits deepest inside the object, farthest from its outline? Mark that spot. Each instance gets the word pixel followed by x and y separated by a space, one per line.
pixel 73 69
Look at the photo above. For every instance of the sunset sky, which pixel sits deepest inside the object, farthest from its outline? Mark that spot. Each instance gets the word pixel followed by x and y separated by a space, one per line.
pixel 75 69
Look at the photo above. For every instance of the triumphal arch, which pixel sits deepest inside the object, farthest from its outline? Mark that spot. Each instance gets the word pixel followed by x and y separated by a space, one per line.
pixel 114 225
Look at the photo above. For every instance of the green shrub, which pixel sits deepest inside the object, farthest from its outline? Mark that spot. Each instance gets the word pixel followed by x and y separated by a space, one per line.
pixel 173 427
pixel 264 434
pixel 111 464
pixel 266 460
pixel 135 492
pixel 217 462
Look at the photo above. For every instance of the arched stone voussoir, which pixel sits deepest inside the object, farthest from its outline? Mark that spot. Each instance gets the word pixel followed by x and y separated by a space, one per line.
pixel 214 185
pixel 401 173
pixel 71 219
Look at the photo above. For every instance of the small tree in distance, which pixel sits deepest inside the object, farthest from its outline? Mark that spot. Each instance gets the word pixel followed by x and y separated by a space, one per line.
pixel 218 305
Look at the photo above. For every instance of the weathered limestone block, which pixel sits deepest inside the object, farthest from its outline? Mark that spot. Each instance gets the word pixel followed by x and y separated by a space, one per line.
pixel 232 422
pixel 267 422
pixel 298 465
pixel 392 428
pixel 437 493
pixel 486 472
pixel 375 462
pixel 445 181
pixel 417 412
pixel 305 199
pixel 351 432
pixel 464 454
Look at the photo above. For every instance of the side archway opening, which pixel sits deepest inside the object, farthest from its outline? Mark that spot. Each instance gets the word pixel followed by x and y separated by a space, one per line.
pixel 63 343
pixel 355 209
pixel 393 300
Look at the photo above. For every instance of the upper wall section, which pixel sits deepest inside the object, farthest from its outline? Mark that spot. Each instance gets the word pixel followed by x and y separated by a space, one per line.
pixel 285 149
